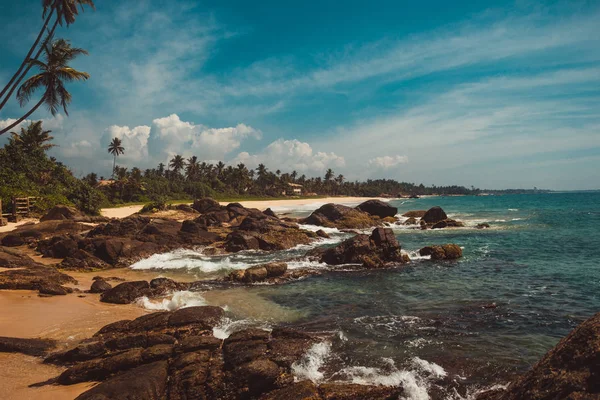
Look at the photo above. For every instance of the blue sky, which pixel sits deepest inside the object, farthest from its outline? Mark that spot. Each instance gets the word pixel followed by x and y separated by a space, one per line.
pixel 493 94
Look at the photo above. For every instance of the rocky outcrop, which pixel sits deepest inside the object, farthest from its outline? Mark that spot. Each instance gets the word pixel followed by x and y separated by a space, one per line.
pixel 206 205
pixel 483 225
pixel 62 212
pixel 100 286
pixel 411 221
pixel 128 292
pixel 173 355
pixel 448 223
pixel 31 347
pixel 377 250
pixel 571 370
pixel 444 252
pixel 37 277
pixel 13 258
pixel 258 273
pixel 434 215
pixel 378 208
pixel 343 217
pixel 414 214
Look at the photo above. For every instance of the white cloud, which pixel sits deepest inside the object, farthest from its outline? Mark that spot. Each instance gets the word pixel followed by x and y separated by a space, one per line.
pixel 135 142
pixel 387 162
pixel 288 155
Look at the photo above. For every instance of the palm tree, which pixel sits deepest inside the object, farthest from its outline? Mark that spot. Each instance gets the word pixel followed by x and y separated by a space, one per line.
pixel 177 163
pixel 115 148
pixel 328 175
pixel 33 138
pixel 53 73
pixel 65 11
pixel 161 169
pixel 220 167
pixel 192 168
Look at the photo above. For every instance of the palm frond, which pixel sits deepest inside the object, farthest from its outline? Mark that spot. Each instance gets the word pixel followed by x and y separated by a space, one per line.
pixel 28 88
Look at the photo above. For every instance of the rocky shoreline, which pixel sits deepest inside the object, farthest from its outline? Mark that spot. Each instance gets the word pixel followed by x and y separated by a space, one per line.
pixel 175 355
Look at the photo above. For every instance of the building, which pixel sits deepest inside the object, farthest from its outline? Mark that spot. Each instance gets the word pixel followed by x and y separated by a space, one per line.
pixel 294 189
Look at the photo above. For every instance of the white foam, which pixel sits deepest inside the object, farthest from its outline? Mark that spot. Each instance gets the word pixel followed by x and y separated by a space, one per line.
pixel 429 367
pixel 191 260
pixel 301 264
pixel 315 228
pixel 178 300
pixel 414 255
pixel 227 326
pixel 311 362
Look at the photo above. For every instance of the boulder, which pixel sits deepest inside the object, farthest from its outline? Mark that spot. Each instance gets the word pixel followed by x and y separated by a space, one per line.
pixel 13 258
pixel 339 216
pixel 81 260
pixel 100 286
pixel 126 292
pixel 378 208
pixel 322 234
pixel 483 225
pixel 415 214
pixel 448 223
pixel 375 250
pixel 190 226
pixel 444 252
pixel 571 370
pixel 206 205
pixel 411 221
pixel 12 240
pixel 270 213
pixel 434 215
pixel 258 273
pixel 33 278
pixel 31 347
pixel 238 241
pixel 53 289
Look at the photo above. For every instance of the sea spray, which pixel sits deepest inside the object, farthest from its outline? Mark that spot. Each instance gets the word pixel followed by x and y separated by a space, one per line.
pixel 178 300
pixel 308 367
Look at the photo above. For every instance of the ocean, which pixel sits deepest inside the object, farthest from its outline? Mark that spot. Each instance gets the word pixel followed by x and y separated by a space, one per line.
pixel 441 329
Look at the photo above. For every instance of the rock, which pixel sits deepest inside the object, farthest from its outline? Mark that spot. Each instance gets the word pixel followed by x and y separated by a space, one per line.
pixel 62 212
pixel 378 208
pixel 483 225
pixel 415 214
pixel 375 250
pixel 13 258
pixel 205 317
pixel 444 252
pixel 190 226
pixel 58 247
pixel 147 382
pixel 304 390
pixel 571 370
pixel 259 375
pixel 448 223
pixel 214 218
pixel 275 269
pixel 411 221
pixel 12 240
pixel 270 213
pixel 339 216
pixel 258 273
pixel 238 241
pixel 339 391
pixel 53 289
pixel 322 234
pixel 33 278
pixel 126 292
pixel 186 208
pixel 100 286
pixel 31 347
pixel 206 205
pixel 255 274
pixel 81 260
pixel 434 215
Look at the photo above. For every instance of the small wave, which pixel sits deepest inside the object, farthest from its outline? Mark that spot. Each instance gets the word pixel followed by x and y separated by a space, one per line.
pixel 190 260
pixel 227 326
pixel 308 367
pixel 414 255
pixel 301 264
pixel 513 209
pixel 315 228
pixel 179 300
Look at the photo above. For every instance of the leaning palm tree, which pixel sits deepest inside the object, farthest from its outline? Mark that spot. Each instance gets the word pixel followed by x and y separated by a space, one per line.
pixel 65 11
pixel 52 77
pixel 115 148
pixel 33 138
pixel 177 163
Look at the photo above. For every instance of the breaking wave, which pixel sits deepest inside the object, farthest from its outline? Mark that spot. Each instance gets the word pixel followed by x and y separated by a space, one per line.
pixel 178 300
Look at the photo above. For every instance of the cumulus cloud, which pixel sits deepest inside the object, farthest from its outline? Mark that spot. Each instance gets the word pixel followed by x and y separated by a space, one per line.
pixel 135 141
pixel 170 135
pixel 291 155
pixel 387 162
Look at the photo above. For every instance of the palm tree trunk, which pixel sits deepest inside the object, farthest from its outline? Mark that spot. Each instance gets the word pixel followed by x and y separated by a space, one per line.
pixel 25 61
pixel 23 118
pixel 114 165
pixel 22 76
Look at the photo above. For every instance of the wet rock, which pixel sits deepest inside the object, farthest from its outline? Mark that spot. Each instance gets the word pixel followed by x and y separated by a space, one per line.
pixel 205 317
pixel 126 292
pixel 81 260
pixel 33 278
pixel 31 347
pixel 53 289
pixel 448 223
pixel 190 226
pixel 304 390
pixel 13 258
pixel 322 234
pixel 411 221
pixel 335 391
pixel 270 213
pixel 12 240
pixel 571 370
pixel 258 375
pixel 238 241
pixel 100 286
pixel 444 252
pixel 483 225
pixel 415 214
pixel 378 208
pixel 373 251
pixel 339 216
pixel 206 205
pixel 434 215
pixel 258 273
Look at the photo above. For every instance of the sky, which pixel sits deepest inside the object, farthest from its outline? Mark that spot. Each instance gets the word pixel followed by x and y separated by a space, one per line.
pixel 494 94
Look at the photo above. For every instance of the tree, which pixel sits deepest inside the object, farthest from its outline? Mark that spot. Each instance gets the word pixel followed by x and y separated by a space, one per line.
pixel 115 148
pixel 33 138
pixel 328 175
pixel 192 168
pixel 177 163
pixel 65 11
pixel 53 75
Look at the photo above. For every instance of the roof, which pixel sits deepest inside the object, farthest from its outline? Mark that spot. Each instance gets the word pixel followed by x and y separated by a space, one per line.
pixel 294 185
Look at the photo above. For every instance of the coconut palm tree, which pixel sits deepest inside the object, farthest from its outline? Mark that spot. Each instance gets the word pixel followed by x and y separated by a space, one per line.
pixel 161 169
pixel 65 11
pixel 33 138
pixel 192 168
pixel 52 77
pixel 115 148
pixel 177 163
pixel 220 167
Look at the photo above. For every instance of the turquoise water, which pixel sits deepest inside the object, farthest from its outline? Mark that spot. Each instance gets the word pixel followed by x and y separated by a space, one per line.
pixel 538 263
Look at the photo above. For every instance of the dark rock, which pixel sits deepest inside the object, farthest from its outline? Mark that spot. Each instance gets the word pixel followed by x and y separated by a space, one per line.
pixel 411 221
pixel 100 286
pixel 338 391
pixel 205 317
pixel 126 292
pixel 33 278
pixel 147 382
pixel 339 216
pixel 322 234
pixel 190 226
pixel 378 208
pixel 61 212
pixel 434 215
pixel 81 260
pixel 13 258
pixel 444 252
pixel 53 289
pixel 270 213
pixel 414 214
pixel 259 375
pixel 206 205
pixel 238 241
pixel 12 240
pixel 58 247
pixel 214 218
pixel 448 223
pixel 304 390
pixel 483 226
pixel 571 370
pixel 31 347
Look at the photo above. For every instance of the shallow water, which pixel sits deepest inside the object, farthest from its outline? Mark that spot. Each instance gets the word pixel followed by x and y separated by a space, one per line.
pixel 538 263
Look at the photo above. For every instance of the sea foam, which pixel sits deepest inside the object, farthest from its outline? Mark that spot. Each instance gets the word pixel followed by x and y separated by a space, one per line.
pixel 178 300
